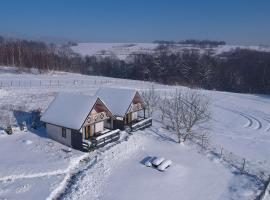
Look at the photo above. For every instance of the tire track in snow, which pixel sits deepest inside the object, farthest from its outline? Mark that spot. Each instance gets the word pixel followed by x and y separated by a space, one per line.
pixel 268 121
pixel 249 121
pixel 252 118
pixel 67 172
pixel 37 175
pixel 73 178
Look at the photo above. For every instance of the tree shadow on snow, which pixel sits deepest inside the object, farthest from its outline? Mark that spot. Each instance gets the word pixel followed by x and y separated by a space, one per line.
pixel 162 136
pixel 29 118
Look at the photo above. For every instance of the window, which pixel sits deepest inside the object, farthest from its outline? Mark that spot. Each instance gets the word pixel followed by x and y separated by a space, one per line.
pixel 64 133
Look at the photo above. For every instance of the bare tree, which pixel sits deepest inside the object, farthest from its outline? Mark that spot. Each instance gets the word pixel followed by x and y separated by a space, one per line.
pixel 173 112
pixel 162 104
pixel 195 111
pixel 184 110
pixel 151 99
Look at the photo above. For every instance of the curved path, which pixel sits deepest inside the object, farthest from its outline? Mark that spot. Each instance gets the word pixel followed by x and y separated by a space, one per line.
pixel 268 121
pixel 252 121
pixel 249 120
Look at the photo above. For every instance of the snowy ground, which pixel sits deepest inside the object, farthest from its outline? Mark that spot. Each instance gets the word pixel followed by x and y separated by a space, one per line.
pixel 241 123
pixel 35 167
pixel 122 50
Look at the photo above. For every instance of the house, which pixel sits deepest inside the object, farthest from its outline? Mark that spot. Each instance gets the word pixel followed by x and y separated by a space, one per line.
pixel 127 107
pixel 76 119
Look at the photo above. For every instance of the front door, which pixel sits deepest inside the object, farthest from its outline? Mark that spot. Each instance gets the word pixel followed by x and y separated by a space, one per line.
pixel 128 118
pixel 89 132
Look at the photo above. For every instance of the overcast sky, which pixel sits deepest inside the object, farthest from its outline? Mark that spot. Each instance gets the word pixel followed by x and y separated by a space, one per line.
pixel 235 21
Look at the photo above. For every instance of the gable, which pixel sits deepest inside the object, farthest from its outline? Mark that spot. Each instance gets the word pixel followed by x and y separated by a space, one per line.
pixel 117 100
pixel 69 110
pixel 99 112
pixel 136 104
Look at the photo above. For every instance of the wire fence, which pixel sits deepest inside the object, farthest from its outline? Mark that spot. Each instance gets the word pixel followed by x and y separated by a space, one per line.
pixel 47 83
pixel 259 171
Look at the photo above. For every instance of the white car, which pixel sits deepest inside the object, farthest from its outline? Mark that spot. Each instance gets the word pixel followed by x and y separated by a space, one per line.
pixel 156 162
pixel 164 165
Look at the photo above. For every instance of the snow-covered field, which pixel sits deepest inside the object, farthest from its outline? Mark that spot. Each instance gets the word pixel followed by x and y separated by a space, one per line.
pixel 122 50
pixel 35 167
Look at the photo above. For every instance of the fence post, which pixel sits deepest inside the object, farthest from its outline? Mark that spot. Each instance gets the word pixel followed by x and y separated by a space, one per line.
pixel 221 152
pixel 39 82
pixel 202 142
pixel 243 166
pixel 50 83
pixel 30 83
pixel 58 83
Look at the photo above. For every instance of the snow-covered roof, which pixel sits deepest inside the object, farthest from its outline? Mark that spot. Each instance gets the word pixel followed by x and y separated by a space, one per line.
pixel 117 100
pixel 69 110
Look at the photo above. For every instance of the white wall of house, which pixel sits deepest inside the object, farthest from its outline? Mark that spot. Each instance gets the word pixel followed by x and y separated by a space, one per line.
pixel 134 115
pixel 99 126
pixel 55 132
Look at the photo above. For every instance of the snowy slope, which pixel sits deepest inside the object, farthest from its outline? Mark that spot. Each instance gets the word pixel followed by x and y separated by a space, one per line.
pixel 122 50
pixel 33 166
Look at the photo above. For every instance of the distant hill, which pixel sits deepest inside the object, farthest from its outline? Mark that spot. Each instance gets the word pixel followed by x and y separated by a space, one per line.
pixel 122 50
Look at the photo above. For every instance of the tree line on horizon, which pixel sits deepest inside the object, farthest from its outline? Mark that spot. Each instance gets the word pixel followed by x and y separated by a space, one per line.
pixel 201 43
pixel 240 70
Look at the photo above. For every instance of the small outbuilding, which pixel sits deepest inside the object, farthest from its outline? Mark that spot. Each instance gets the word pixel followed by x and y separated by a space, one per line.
pixel 73 119
pixel 127 106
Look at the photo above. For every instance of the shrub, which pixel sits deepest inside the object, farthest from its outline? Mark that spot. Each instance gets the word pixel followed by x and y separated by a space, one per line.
pixel 9 129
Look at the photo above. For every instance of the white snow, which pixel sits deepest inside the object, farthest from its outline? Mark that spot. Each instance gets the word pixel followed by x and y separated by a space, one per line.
pixel 69 110
pixel 31 165
pixel 123 50
pixel 165 164
pixel 156 162
pixel 191 176
pixel 35 167
pixel 107 134
pixel 117 100
pixel 27 142
pixel 142 122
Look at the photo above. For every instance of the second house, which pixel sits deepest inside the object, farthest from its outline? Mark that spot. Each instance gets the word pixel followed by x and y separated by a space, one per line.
pixel 127 106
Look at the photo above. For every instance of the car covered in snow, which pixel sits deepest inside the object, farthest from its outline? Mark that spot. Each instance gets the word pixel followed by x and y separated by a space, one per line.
pixel 164 165
pixel 157 161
